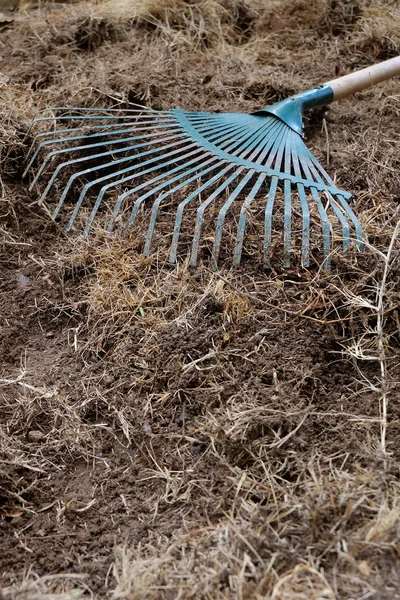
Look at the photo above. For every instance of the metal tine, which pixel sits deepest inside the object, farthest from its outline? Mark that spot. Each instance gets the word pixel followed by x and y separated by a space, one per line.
pixel 245 142
pixel 126 194
pixel 277 127
pixel 218 126
pixel 317 166
pixel 140 109
pixel 103 166
pixel 355 221
pixel 226 138
pixel 125 179
pixel 57 132
pixel 243 218
pixel 258 141
pixel 198 225
pixel 326 225
pixel 159 187
pixel 71 116
pixel 233 196
pixel 270 135
pixel 268 220
pixel 227 129
pixel 305 210
pixel 213 123
pixel 222 215
pixel 194 194
pixel 287 207
pixel 326 229
pixel 112 152
pixel 247 146
pixel 336 210
pixel 277 154
pixel 85 118
pixel 131 177
pixel 346 208
pixel 342 219
pixel 200 214
pixel 69 139
pixel 221 118
pixel 254 136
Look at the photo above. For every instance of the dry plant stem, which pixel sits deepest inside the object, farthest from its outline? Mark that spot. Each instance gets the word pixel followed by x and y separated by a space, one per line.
pixel 381 344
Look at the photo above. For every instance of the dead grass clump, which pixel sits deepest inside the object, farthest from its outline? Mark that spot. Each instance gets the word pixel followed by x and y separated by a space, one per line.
pixel 14 116
pixel 279 547
pixel 378 31
pixel 50 587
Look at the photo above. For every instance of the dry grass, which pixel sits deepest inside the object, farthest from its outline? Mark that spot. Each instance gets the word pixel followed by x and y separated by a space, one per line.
pixel 177 433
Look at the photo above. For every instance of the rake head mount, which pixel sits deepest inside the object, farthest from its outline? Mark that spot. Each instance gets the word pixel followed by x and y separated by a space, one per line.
pixel 138 157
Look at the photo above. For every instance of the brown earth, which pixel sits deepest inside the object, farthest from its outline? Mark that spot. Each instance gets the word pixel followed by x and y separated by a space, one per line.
pixel 168 432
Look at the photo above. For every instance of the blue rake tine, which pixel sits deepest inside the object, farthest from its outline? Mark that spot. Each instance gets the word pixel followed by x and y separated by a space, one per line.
pixel 305 238
pixel 287 208
pixel 80 109
pixel 86 158
pixel 246 143
pixel 114 183
pixel 276 155
pixel 115 118
pixel 58 132
pixel 355 221
pixel 156 205
pixel 256 144
pixel 200 215
pixel 277 150
pixel 226 140
pixel 315 168
pixel 214 131
pixel 245 149
pixel 91 136
pixel 347 210
pixel 222 215
pixel 287 223
pixel 159 187
pixel 120 172
pixel 267 150
pixel 180 209
pixel 155 190
pixel 220 125
pixel 326 228
pixel 112 152
pixel 342 220
pixel 263 148
pixel 268 220
pixel 243 218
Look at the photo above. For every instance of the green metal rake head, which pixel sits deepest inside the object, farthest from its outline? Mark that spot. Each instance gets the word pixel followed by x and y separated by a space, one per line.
pixel 141 156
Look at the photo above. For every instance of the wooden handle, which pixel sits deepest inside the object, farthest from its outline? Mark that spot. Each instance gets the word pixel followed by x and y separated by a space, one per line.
pixel 355 82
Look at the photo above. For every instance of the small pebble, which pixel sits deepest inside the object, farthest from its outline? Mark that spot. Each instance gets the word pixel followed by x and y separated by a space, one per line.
pixel 34 435
pixel 22 280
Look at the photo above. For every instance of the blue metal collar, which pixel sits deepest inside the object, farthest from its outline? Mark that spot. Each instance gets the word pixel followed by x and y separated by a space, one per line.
pixel 290 110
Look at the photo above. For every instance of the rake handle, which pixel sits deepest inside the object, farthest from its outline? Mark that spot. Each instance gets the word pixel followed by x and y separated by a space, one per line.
pixel 361 80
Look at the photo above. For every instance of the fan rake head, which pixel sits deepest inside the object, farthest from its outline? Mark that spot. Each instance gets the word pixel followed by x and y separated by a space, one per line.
pixel 141 156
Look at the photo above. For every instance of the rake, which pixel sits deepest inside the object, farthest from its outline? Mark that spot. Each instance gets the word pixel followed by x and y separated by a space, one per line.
pixel 210 160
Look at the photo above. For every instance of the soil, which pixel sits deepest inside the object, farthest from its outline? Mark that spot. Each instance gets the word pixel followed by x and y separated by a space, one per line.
pixel 173 432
